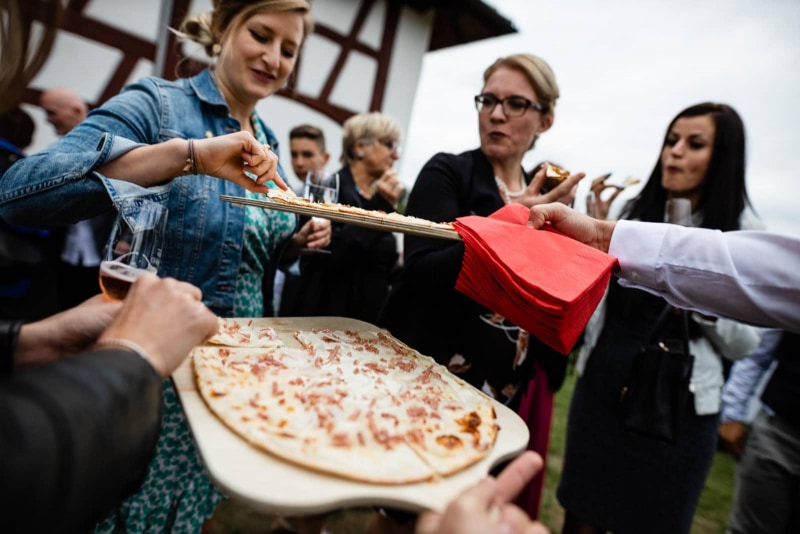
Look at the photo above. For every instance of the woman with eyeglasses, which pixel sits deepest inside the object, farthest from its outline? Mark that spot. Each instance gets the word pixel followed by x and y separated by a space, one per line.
pixel 514 107
pixel 352 280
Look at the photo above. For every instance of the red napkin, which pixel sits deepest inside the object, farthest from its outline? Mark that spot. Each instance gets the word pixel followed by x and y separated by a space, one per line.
pixel 540 280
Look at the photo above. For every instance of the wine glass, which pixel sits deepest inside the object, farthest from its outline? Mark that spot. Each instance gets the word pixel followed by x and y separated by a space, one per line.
pixel 134 245
pixel 321 188
pixel 678 211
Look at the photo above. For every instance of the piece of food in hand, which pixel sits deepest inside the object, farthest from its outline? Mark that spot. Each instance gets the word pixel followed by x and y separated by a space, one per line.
pixel 629 181
pixel 554 175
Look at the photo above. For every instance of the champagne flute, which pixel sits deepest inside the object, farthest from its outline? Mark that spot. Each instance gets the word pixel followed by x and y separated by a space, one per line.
pixel 134 245
pixel 321 188
pixel 678 211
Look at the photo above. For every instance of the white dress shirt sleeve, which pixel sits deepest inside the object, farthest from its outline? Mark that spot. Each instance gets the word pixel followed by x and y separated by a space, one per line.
pixel 749 276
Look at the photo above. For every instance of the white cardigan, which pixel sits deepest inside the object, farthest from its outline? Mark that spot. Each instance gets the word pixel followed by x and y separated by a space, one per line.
pixel 722 338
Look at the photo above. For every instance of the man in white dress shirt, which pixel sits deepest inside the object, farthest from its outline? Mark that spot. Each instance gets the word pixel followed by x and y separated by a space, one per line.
pixel 750 276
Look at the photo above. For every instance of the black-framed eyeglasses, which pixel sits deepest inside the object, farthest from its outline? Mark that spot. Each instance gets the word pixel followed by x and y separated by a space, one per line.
pixel 513 106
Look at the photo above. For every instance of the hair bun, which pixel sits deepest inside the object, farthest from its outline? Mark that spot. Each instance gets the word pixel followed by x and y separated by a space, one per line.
pixel 197 28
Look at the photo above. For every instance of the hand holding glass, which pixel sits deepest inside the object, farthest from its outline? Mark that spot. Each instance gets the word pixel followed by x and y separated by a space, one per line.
pixel 134 245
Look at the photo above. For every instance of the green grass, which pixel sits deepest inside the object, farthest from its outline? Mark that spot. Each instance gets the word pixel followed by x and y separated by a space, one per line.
pixel 712 512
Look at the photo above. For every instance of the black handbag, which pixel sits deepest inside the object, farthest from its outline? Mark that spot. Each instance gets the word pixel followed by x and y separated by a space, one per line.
pixel 657 389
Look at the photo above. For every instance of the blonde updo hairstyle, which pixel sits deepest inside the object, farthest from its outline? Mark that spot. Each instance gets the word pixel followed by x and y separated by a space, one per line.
pixel 539 75
pixel 367 128
pixel 211 29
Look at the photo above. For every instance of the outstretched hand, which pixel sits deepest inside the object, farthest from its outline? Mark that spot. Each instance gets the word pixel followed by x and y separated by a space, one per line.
pixel 239 158
pixel 589 231
pixel 485 508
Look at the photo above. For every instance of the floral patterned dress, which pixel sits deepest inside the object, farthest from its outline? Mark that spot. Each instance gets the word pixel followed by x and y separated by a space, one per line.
pixel 177 495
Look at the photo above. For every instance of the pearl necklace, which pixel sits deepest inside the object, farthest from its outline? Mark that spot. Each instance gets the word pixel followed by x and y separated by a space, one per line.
pixel 501 185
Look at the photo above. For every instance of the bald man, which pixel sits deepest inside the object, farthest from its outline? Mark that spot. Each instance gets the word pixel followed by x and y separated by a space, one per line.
pixel 64 108
pixel 83 242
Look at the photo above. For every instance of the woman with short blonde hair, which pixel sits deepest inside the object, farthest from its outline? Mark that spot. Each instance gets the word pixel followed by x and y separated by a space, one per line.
pixel 353 280
pixel 365 129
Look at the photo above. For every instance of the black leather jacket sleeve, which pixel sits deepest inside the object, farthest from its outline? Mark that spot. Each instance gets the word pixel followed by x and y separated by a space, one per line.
pixel 76 437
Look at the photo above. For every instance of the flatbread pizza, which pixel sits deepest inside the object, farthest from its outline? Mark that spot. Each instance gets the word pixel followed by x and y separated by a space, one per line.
pixel 354 404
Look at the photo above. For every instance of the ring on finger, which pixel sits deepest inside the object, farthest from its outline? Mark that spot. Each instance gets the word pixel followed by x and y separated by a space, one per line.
pixel 266 148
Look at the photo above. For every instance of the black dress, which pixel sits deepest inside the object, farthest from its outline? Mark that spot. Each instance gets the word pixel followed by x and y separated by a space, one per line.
pixel 613 478
pixel 425 311
pixel 353 280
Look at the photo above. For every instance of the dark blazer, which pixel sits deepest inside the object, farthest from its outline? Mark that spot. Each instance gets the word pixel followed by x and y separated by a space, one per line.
pixel 353 280
pixel 424 309
pixel 76 438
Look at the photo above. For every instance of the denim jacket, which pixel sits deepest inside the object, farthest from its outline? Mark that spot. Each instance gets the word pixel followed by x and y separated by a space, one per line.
pixel 61 184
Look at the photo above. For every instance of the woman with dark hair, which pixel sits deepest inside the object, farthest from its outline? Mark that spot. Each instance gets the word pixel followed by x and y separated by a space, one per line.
pixel 616 480
pixel 721 188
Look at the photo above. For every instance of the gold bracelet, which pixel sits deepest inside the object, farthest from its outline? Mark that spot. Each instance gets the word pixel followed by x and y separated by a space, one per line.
pixel 118 343
pixel 191 164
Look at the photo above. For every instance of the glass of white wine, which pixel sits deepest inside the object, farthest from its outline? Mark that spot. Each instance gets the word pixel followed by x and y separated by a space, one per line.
pixel 321 188
pixel 134 245
pixel 678 211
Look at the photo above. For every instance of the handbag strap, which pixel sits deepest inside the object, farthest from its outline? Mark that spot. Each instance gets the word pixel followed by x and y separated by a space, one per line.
pixel 662 319
pixel 685 328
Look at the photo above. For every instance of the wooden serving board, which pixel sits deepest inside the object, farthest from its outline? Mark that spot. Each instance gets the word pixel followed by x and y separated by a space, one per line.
pixel 269 484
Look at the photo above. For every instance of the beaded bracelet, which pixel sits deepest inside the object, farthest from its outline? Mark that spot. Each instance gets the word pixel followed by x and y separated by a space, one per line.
pixel 191 164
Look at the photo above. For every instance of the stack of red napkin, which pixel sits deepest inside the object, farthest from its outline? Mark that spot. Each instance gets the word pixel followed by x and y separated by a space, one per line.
pixel 540 280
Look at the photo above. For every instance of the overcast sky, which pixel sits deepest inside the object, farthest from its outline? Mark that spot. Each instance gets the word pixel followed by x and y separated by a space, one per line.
pixel 625 69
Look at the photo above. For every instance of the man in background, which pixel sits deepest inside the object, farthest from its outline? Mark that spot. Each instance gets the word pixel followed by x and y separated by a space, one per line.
pixel 64 109
pixel 83 241
pixel 307 148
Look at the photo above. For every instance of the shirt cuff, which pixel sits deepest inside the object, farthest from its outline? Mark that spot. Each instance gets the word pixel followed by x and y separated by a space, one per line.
pixel 637 246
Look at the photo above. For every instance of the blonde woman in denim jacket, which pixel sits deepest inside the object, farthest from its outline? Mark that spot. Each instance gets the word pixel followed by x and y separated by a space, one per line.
pixel 184 144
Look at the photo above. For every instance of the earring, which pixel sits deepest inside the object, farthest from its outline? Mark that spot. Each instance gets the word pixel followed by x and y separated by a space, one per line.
pixel 359 155
pixel 216 49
